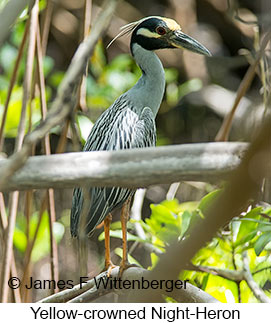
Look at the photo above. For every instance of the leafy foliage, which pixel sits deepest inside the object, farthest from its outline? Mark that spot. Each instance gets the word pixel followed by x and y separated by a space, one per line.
pixel 251 231
pixel 42 244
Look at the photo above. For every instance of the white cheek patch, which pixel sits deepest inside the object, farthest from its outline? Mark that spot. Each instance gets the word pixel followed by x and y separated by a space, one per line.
pixel 147 33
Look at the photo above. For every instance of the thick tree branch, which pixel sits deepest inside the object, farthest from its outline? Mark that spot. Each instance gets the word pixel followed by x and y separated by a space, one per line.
pixel 90 292
pixel 129 168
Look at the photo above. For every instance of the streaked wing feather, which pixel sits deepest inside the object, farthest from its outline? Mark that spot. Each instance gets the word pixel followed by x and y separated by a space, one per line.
pixel 119 127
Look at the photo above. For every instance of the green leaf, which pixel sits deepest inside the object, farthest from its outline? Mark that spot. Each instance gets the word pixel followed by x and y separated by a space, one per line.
pixel 154 260
pixel 85 125
pixel 247 229
pixel 186 218
pixel 19 239
pixel 235 226
pixel 262 241
pixel 222 289
pixel 264 228
pixel 207 200
pixel 56 78
pixel 8 55
pixel 267 211
pixel 163 222
pixel 253 220
pixel 190 86
pixel 42 244
pixel 171 75
pixel 189 206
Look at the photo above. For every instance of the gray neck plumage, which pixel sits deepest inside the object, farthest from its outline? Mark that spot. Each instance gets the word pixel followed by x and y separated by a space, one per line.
pixel 149 90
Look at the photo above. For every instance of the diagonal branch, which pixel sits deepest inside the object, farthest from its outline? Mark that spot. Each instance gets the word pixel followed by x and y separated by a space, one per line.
pixel 224 131
pixel 64 103
pixel 255 288
pixel 136 216
pixel 234 275
pixel 244 185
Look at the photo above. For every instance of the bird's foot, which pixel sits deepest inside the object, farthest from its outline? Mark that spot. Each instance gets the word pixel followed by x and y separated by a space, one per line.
pixel 108 267
pixel 125 265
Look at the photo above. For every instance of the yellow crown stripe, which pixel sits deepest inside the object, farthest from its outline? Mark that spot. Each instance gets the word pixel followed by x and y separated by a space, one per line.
pixel 172 24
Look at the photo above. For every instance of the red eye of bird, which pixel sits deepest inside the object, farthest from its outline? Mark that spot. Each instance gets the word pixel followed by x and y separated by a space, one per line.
pixel 160 30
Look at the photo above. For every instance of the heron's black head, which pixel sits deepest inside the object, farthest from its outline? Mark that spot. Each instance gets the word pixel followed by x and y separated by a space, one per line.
pixel 155 32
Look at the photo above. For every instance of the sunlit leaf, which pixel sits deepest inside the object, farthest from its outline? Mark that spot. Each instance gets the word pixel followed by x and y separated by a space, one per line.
pixel 154 260
pixel 171 75
pixel 186 217
pixel 247 229
pixel 19 239
pixel 261 242
pixel 218 286
pixel 190 86
pixel 85 125
pixel 207 200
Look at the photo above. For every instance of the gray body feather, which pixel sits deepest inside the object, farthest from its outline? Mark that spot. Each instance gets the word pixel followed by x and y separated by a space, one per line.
pixel 128 123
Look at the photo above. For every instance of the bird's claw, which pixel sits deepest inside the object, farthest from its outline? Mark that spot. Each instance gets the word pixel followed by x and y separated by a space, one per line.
pixel 109 267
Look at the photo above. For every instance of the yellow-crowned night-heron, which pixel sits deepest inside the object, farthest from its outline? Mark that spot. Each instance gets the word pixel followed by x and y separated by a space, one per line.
pixel 129 122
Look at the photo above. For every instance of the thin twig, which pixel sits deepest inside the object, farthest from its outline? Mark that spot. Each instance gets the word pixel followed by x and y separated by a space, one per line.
pixel 46 25
pixel 28 74
pixel 51 200
pixel 28 212
pixel 136 210
pixel 235 266
pixel 30 245
pixel 83 86
pixel 234 275
pixel 172 191
pixel 8 250
pixel 255 288
pixel 12 83
pixel 4 225
pixel 18 144
pixel 261 269
pixel 62 142
pixel 224 131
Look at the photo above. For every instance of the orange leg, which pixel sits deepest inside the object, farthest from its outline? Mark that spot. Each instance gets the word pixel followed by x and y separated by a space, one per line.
pixel 108 264
pixel 124 219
